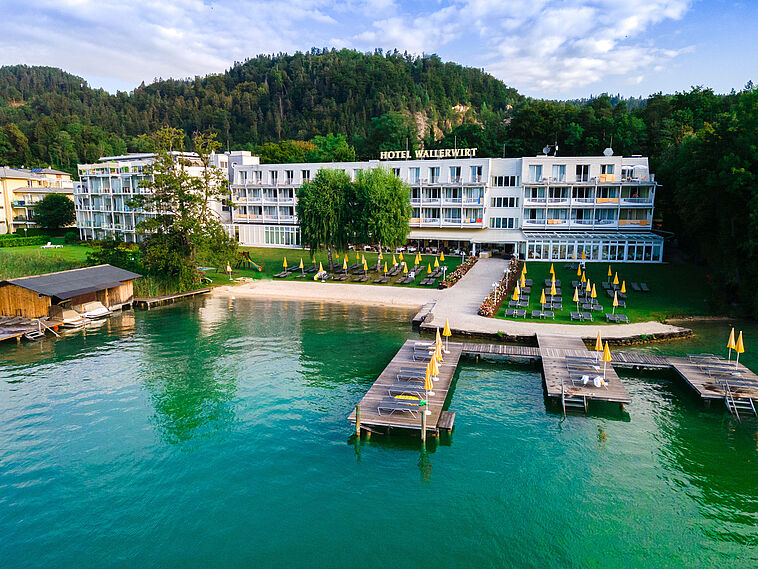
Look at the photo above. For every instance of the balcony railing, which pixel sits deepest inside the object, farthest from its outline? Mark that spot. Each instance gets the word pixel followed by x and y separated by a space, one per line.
pixel 472 200
pixel 606 201
pixel 583 200
pixel 641 222
pixel 452 200
pixel 452 220
pixel 535 201
pixel 637 201
pixel 558 200
pixel 535 222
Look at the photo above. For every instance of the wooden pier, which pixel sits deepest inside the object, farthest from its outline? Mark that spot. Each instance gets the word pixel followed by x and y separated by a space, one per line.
pixel 148 303
pixel 404 360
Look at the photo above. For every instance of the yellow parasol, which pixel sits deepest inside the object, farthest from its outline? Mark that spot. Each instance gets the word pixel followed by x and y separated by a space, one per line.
pixel 438 339
pixel 542 299
pixel 400 256
pixel 606 358
pixel 598 345
pixel 429 269
pixel 523 279
pixel 523 270
pixel 405 268
pixel 428 384
pixel 552 278
pixel 320 267
pixel 436 262
pixel 229 270
pixel 616 279
pixel 357 256
pixel 593 294
pixel 363 259
pixel 552 270
pixel 576 298
pixel 442 256
pixel 284 263
pixel 589 286
pixel 731 344
pixel 434 368
pixel 301 266
pixel 615 301
pixel 579 271
pixel 553 290
pixel 385 267
pixel 515 293
pixel 739 347
pixel 610 273
pixel 344 265
pixel 584 277
pixel 365 266
pixel 584 256
pixel 623 287
pixel 394 260
pixel 346 259
pixel 447 333
pixel 419 260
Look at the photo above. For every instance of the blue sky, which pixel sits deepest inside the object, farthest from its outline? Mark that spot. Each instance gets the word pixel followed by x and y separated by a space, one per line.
pixel 544 48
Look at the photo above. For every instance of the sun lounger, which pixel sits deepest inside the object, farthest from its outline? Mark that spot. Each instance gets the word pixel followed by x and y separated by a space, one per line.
pixel 549 314
pixel 414 389
pixel 536 314
pixel 281 275
pixel 528 282
pixel 392 405
pixel 510 313
pixel 587 316
pixel 622 319
pixel 635 287
pixel 644 287
pixel 520 313
pixel 597 307
pixel 576 316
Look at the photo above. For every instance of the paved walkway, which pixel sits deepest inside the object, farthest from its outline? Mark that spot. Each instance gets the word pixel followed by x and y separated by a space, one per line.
pixel 461 303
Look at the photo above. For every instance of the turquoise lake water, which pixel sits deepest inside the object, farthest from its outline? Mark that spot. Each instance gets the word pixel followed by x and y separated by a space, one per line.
pixel 214 434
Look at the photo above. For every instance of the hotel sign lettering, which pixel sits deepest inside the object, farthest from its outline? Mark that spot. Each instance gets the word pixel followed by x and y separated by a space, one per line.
pixel 441 153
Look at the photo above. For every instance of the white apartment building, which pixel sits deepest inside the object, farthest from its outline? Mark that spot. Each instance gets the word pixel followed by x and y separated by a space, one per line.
pixel 104 191
pixel 543 207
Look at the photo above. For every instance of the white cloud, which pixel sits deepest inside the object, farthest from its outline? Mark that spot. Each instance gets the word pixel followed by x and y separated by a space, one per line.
pixel 553 46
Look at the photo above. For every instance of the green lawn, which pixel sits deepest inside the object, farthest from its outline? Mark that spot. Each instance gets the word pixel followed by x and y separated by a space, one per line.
pixel 33 260
pixel 675 290
pixel 271 259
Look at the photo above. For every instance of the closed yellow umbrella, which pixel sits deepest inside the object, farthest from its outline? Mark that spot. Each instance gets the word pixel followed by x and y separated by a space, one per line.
pixel 523 269
pixel 428 384
pixel 610 273
pixel 616 279
pixel 301 266
pixel 606 359
pixel 419 260
pixel 542 299
pixel 344 265
pixel 584 256
pixel 552 278
pixel 739 347
pixel 394 260
pixel 320 267
pixel 400 256
pixel 434 368
pixel 553 290
pixel 615 301
pixel 598 345
pixel 579 271
pixel 584 277
pixel 438 339
pixel 552 270
pixel 593 294
pixel 229 270
pixel 284 263
pixel 385 267
pixel 442 256
pixel 523 279
pixel 576 298
pixel 589 285
pixel 365 266
pixel 357 256
pixel 346 259
pixel 731 344
pixel 447 333
pixel 436 262
pixel 363 259
pixel 515 293
pixel 623 287
pixel 405 268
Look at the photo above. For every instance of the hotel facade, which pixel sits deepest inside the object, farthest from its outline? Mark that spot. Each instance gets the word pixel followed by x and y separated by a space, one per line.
pixel 543 207
pixel 20 191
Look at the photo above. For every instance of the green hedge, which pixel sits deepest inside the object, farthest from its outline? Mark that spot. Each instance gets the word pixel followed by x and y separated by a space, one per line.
pixel 24 241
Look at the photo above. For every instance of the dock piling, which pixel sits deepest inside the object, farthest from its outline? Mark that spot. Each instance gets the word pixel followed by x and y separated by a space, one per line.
pixel 358 420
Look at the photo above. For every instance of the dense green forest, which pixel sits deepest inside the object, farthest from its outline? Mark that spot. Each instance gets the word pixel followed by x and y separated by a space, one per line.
pixel 338 104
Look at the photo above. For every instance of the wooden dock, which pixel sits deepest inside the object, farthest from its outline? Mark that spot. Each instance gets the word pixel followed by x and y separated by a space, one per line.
pixel 564 360
pixel 148 303
pixel 403 360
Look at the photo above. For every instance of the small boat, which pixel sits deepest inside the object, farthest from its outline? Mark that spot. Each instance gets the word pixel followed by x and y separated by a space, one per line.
pixel 94 310
pixel 69 318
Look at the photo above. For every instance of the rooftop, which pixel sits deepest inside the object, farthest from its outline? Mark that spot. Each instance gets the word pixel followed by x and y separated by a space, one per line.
pixel 67 284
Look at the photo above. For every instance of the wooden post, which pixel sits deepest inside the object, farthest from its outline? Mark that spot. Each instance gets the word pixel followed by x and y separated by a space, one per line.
pixel 423 423
pixel 358 420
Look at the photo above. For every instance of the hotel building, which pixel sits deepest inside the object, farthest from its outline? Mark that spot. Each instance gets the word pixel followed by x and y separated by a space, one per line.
pixel 105 189
pixel 21 189
pixel 543 207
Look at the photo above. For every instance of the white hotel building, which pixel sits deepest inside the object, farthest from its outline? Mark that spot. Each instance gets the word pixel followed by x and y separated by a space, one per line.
pixel 544 207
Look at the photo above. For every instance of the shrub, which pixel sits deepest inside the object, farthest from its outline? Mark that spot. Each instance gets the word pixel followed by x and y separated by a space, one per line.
pixel 24 241
pixel 458 273
pixel 71 237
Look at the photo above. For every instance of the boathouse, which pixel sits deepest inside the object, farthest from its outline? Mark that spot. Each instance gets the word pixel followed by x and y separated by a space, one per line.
pixel 37 296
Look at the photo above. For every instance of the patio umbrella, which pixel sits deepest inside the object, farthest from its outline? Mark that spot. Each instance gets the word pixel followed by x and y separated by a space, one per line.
pixel 436 262
pixel 515 293
pixel 284 263
pixel 405 268
pixel 584 256
pixel 576 298
pixel 615 301
pixel 385 267
pixel 447 333
pixel 344 265
pixel 438 340
pixel 429 269
pixel 579 271
pixel 584 277
pixel 428 384
pixel 442 256
pixel 523 280
pixel 616 279
pixel 434 369
pixel 301 266
pixel 606 359
pixel 589 286
pixel 394 260
pixel 610 273
pixel 357 256
pixel 552 278
pixel 598 345
pixel 623 287
pixel 229 270
pixel 400 256
pixel 553 291
pixel 542 299
pixel 363 259
pixel 731 344
pixel 552 270
pixel 379 261
pixel 739 347
pixel 365 266
pixel 320 267
pixel 419 260
pixel 523 269
pixel 593 294
pixel 346 259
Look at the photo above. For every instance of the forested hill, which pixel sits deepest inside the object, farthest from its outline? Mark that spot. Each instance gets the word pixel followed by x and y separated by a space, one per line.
pixel 265 99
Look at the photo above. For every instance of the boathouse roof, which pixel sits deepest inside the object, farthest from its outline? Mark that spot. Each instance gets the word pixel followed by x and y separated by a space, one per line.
pixel 68 284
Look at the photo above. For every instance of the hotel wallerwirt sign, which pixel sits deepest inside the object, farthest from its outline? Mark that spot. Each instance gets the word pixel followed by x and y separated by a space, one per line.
pixel 419 154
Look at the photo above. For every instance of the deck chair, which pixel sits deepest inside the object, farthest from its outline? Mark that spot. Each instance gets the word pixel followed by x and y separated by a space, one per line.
pixel 409 388
pixel 636 287
pixel 587 316
pixel 390 406
pixel 644 287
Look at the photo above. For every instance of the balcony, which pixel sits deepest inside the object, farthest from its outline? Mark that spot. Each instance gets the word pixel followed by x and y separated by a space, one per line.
pixel 554 222
pixel 472 221
pixel 287 218
pixel 431 201
pixel 587 201
pixel 637 201
pixel 472 200
pixel 535 222
pixel 634 223
pixel 452 201
pixel 606 223
pixel 18 203
pixel 536 202
pixel 415 201
pixel 606 201
pixel 430 220
pixel 582 223
pixel 454 221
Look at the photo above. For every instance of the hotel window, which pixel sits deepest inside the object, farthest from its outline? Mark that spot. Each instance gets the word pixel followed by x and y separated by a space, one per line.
pixel 559 172
pixel 306 175
pixel 503 223
pixel 606 169
pixel 626 173
pixel 357 172
pixel 289 176
pixel 505 181
pixel 413 175
pixel 455 173
pixel 434 175
pixel 396 171
pixel 243 178
pixel 535 173
pixel 273 177
pixel 476 173
pixel 258 176
pixel 582 172
pixel 504 202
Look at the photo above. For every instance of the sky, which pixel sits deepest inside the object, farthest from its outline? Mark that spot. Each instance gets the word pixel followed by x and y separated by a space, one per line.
pixel 557 49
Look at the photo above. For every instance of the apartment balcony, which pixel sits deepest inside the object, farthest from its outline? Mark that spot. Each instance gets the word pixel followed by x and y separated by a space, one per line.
pixel 452 221
pixel 431 201
pixel 637 201
pixel 452 201
pixel 270 218
pixel 607 201
pixel 287 201
pixel 287 218
pixel 454 180
pixel 476 180
pixel 559 201
pixel 18 203
pixel 532 223
pixel 556 223
pixel 635 223
pixel 583 201
pixel 606 223
pixel 582 223
pixel 535 202
pixel 472 201
pixel 472 222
